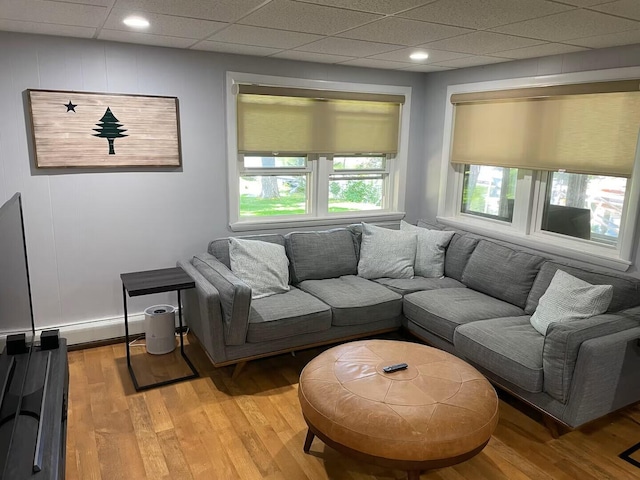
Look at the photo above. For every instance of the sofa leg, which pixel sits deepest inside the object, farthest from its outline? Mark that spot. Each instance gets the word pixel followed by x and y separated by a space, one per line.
pixel 555 429
pixel 236 371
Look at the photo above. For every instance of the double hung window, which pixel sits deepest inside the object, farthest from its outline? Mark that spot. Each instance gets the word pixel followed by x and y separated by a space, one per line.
pixel 550 167
pixel 306 152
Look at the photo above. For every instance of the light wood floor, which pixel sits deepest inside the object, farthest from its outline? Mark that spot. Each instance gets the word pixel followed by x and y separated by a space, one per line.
pixel 212 428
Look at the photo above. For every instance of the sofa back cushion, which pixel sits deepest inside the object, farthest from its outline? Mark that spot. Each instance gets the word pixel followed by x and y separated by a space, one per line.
pixel 626 290
pixel 501 272
pixel 319 255
pixel 458 254
pixel 219 248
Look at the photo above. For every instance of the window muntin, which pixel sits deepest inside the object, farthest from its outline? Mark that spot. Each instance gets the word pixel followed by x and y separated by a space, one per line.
pixel 584 206
pixel 489 191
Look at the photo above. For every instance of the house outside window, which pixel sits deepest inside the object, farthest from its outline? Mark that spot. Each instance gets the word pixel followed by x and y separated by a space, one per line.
pixel 551 167
pixel 305 152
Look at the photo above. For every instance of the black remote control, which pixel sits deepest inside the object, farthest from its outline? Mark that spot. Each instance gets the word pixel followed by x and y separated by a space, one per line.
pixel 394 368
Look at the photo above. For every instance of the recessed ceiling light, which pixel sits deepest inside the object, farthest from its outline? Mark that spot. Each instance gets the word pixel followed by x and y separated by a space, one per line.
pixel 419 56
pixel 136 22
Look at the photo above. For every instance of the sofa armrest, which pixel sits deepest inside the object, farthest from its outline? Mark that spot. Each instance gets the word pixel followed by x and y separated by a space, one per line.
pixel 563 343
pixel 606 377
pixel 203 314
pixel 235 296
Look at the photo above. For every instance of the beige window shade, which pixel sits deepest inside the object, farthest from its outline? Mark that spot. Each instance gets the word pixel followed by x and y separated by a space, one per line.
pixel 273 119
pixel 592 133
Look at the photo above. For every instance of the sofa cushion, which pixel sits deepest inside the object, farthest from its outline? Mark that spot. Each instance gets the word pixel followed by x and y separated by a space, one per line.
pixel 355 300
pixel 430 249
pixel 219 248
pixel 263 266
pixel 404 286
pixel 626 290
pixel 318 255
pixel 442 311
pixel 285 315
pixel 508 347
pixel 502 272
pixel 562 345
pixel 569 299
pixel 458 254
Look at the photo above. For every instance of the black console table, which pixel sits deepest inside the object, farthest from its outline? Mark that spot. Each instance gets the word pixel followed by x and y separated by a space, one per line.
pixel 146 283
pixel 33 423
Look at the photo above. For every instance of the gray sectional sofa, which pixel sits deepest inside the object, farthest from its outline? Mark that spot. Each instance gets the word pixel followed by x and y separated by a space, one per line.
pixel 479 310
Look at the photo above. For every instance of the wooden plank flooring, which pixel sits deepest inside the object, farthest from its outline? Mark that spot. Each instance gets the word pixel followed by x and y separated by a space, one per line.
pixel 212 428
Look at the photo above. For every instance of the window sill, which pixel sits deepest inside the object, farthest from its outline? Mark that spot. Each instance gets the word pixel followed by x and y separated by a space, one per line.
pixel 332 221
pixel 586 252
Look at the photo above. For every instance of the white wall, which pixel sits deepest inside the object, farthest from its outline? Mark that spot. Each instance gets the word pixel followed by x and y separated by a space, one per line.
pixel 84 228
pixel 435 98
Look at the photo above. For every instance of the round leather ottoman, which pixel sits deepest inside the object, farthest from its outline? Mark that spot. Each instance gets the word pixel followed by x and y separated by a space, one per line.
pixel 438 412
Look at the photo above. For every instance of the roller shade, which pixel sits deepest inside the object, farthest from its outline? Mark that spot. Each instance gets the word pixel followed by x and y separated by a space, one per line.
pixel 285 120
pixel 553 128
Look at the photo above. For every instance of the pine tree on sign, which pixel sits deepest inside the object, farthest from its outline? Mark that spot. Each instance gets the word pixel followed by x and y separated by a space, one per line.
pixel 109 128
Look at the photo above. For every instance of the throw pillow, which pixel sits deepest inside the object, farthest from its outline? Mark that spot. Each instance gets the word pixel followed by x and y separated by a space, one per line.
pixel 568 298
pixel 263 266
pixel 386 253
pixel 430 251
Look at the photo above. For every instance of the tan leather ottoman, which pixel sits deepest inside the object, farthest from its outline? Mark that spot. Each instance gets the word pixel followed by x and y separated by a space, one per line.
pixel 438 412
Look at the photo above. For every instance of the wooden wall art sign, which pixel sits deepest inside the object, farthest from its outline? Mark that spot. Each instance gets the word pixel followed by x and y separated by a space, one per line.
pixel 82 129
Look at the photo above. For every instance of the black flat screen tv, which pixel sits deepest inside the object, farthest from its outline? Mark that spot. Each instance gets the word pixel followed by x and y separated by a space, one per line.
pixel 16 312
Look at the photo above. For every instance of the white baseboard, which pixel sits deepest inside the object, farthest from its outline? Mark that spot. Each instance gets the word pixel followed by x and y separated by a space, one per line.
pixel 98 330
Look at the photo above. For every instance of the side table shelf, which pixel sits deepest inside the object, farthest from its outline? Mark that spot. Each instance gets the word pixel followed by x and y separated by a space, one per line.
pixel 146 283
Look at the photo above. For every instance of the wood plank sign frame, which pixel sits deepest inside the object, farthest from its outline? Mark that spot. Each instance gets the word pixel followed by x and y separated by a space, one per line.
pixel 88 130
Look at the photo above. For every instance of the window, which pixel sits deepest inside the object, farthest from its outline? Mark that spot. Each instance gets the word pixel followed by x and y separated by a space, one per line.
pixel 304 152
pixel 272 186
pixel 489 191
pixel 548 167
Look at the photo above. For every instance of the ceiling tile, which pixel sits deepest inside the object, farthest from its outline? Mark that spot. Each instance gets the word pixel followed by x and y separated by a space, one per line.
pixel 539 51
pixel 621 8
pixel 401 31
pixel 481 14
pixel 482 42
pixel 434 55
pixel 425 68
pixel 144 38
pixel 612 40
pixel 235 48
pixel 372 63
pixel 373 6
pixel 568 25
pixel 472 61
pixel 220 10
pixel 46 29
pixel 52 12
pixel 99 3
pixel 312 57
pixel 264 37
pixel 306 17
pixel 356 48
pixel 165 25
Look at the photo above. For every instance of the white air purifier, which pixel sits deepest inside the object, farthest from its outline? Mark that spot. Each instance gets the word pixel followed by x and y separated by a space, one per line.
pixel 160 329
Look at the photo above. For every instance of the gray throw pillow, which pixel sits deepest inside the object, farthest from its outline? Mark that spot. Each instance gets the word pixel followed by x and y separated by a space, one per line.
pixel 386 253
pixel 568 298
pixel 263 266
pixel 430 251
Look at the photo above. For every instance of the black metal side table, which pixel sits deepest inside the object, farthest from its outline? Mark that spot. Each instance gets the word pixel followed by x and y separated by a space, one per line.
pixel 146 283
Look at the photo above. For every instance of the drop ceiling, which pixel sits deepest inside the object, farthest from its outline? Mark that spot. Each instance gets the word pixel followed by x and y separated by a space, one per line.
pixel 364 33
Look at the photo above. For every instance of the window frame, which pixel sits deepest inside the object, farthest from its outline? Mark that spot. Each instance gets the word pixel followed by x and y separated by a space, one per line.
pixel 525 229
pixel 321 165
